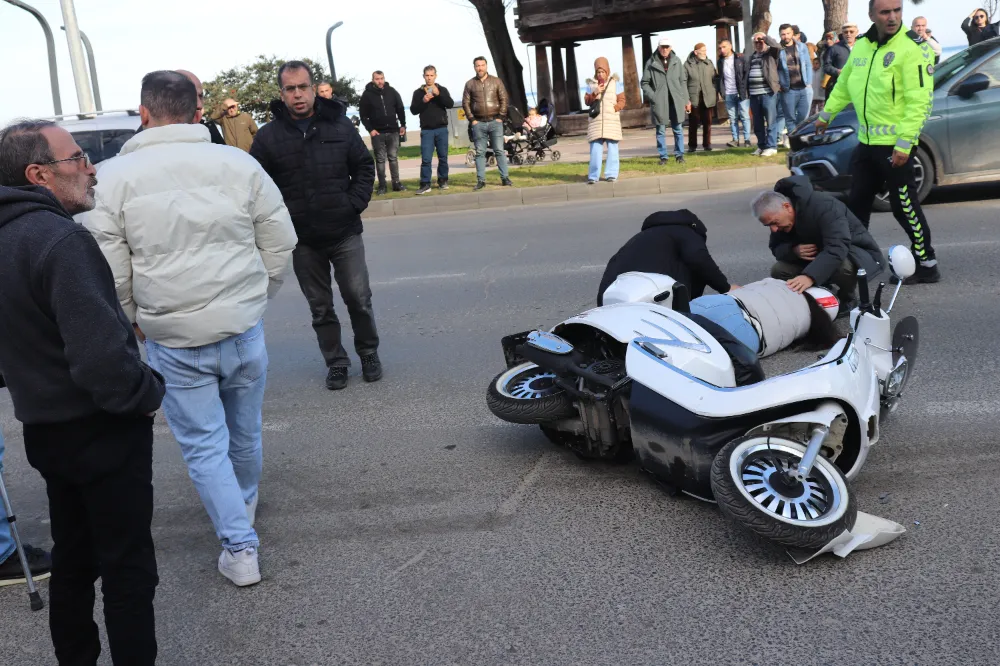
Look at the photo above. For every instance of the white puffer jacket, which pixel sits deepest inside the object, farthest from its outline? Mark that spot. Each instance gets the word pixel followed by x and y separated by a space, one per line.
pixel 197 235
pixel 782 315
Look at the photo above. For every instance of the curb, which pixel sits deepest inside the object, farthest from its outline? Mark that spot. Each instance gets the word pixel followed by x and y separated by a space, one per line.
pixel 529 196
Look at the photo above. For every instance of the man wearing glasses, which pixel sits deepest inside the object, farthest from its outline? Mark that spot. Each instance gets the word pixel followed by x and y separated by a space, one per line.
pixel 70 360
pixel 238 128
pixel 325 173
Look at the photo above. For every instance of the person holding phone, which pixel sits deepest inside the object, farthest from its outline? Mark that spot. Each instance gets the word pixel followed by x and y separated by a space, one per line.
pixel 431 103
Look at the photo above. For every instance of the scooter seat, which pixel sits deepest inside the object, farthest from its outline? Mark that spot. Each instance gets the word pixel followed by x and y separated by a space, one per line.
pixel 746 365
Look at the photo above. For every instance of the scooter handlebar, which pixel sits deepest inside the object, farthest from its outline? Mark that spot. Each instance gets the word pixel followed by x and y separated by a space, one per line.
pixel 863 296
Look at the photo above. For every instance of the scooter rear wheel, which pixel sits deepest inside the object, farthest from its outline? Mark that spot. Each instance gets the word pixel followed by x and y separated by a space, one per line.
pixel 528 395
pixel 750 485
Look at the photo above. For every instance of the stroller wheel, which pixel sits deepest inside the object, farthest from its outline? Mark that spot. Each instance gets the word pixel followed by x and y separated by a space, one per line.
pixel 532 159
pixel 556 155
pixel 470 158
pixel 540 155
pixel 491 161
pixel 516 160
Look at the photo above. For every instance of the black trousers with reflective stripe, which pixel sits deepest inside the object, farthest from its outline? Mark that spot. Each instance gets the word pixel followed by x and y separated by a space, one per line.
pixel 872 173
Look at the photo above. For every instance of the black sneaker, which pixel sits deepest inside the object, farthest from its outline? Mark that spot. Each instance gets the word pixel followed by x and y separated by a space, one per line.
pixel 39 563
pixel 424 189
pixel 611 180
pixel 664 161
pixel 371 367
pixel 380 191
pixel 336 378
pixel 505 182
pixel 846 307
pixel 442 184
pixel 924 275
pixel 399 187
pixel 680 159
pixel 480 185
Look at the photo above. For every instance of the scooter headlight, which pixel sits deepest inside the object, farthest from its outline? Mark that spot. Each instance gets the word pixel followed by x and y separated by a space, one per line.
pixel 894 384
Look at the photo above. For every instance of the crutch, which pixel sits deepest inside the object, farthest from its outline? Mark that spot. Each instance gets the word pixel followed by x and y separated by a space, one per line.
pixel 33 596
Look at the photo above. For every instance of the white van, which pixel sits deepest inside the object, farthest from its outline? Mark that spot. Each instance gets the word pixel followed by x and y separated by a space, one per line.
pixel 100 134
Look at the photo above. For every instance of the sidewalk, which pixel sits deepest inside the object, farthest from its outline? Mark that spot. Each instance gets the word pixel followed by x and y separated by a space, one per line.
pixel 636 143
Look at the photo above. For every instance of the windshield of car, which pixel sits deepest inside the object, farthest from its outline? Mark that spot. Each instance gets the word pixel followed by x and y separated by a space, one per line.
pixel 947 70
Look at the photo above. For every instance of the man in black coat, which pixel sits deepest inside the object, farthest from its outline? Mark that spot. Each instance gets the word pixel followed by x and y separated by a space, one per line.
pixel 671 242
pixel 325 174
pixel 815 238
pixel 431 102
pixel 384 117
pixel 70 359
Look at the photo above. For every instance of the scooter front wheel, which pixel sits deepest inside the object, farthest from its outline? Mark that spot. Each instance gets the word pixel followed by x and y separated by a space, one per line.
pixel 528 394
pixel 751 480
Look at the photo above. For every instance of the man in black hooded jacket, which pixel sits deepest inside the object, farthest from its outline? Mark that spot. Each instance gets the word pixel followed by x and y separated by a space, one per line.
pixel 384 117
pixel 672 242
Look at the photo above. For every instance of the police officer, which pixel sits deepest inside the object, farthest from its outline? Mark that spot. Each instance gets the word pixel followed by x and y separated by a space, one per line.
pixel 889 78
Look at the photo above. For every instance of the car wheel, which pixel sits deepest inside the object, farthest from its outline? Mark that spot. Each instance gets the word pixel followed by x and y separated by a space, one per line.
pixel 923 168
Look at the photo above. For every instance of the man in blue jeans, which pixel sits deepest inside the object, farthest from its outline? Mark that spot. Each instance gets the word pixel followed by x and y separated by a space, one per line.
pixel 39 561
pixel 198 238
pixel 763 86
pixel 431 103
pixel 665 86
pixel 484 101
pixel 795 73
pixel 732 87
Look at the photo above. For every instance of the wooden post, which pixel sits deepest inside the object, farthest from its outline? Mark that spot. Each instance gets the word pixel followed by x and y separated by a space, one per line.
pixel 544 79
pixel 572 78
pixel 633 93
pixel 721 35
pixel 647 48
pixel 558 82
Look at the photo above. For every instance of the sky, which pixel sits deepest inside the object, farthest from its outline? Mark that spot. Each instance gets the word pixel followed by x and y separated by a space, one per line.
pixel 398 37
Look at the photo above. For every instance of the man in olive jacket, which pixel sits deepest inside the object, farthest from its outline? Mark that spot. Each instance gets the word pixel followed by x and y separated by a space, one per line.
pixel 815 238
pixel 665 86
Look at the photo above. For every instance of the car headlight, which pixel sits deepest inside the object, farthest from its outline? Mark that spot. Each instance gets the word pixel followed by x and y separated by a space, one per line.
pixel 832 135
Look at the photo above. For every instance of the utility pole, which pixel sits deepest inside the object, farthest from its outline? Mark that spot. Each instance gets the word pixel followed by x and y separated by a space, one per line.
pixel 329 52
pixel 93 67
pixel 51 45
pixel 747 24
pixel 83 92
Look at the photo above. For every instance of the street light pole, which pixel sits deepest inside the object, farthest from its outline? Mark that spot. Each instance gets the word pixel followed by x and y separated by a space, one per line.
pixel 83 93
pixel 51 45
pixel 329 51
pixel 93 68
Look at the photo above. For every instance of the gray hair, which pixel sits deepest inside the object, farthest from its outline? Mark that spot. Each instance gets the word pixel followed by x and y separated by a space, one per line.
pixel 22 143
pixel 169 96
pixel 768 202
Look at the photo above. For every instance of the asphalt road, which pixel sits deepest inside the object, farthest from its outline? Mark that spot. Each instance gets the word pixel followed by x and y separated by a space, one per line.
pixel 403 524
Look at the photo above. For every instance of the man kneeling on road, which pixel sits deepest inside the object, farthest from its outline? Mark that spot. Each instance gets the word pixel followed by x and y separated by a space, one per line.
pixel 671 242
pixel 816 239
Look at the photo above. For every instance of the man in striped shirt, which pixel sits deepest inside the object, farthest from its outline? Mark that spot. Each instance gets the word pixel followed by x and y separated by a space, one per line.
pixel 763 85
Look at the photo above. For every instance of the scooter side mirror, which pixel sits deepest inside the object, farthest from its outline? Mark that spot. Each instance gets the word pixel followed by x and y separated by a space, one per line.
pixel 901 262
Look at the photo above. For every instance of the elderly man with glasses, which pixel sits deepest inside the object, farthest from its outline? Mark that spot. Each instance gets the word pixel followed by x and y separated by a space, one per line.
pixel 80 388
pixel 238 127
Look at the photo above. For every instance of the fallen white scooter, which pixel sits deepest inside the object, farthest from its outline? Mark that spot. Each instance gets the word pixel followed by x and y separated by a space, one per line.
pixel 776 454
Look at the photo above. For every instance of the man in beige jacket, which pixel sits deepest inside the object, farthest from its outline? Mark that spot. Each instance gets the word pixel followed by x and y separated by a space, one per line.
pixel 198 238
pixel 238 128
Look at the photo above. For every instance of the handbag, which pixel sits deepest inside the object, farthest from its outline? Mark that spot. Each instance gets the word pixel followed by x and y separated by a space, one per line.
pixel 595 107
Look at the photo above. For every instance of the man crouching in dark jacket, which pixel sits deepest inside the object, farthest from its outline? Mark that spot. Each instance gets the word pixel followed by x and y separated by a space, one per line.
pixel 325 173
pixel 816 239
pixel 70 359
pixel 672 242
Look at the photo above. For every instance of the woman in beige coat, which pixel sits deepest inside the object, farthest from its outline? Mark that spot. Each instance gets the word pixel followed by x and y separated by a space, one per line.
pixel 606 126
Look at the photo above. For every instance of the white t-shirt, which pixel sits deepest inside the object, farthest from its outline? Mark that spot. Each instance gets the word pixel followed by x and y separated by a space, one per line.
pixel 729 75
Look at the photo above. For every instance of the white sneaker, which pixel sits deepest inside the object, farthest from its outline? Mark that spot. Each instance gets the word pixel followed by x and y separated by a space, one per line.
pixel 252 509
pixel 787 142
pixel 770 152
pixel 241 568
pixel 757 152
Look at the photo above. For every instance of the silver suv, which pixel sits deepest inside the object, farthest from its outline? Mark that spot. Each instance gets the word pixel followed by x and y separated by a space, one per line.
pixel 101 134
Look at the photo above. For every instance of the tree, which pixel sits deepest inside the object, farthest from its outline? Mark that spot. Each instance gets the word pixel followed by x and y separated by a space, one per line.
pixel 255 85
pixel 834 15
pixel 492 14
pixel 761 16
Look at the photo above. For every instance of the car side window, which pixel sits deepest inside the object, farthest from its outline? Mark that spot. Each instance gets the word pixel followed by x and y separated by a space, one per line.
pixel 113 140
pixel 90 142
pixel 991 69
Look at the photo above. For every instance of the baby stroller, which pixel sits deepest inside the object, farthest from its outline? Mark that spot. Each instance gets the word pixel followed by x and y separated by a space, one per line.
pixel 537 141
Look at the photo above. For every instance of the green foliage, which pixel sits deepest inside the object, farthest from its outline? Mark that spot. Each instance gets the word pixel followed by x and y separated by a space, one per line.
pixel 255 86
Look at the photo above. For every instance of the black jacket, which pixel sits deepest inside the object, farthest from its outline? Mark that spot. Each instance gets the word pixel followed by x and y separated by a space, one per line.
pixel 382 109
pixel 834 60
pixel 325 175
pixel 823 220
pixel 433 114
pixel 67 349
pixel 975 36
pixel 742 76
pixel 672 242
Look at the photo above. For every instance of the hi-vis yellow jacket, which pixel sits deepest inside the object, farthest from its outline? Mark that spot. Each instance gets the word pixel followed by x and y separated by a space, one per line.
pixel 891 85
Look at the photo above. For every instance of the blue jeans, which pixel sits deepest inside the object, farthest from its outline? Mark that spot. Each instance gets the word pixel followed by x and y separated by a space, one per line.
pixel 726 312
pixel 492 132
pixel 431 140
pixel 597 154
pixel 795 104
pixel 215 394
pixel 765 125
pixel 733 105
pixel 661 140
pixel 6 540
